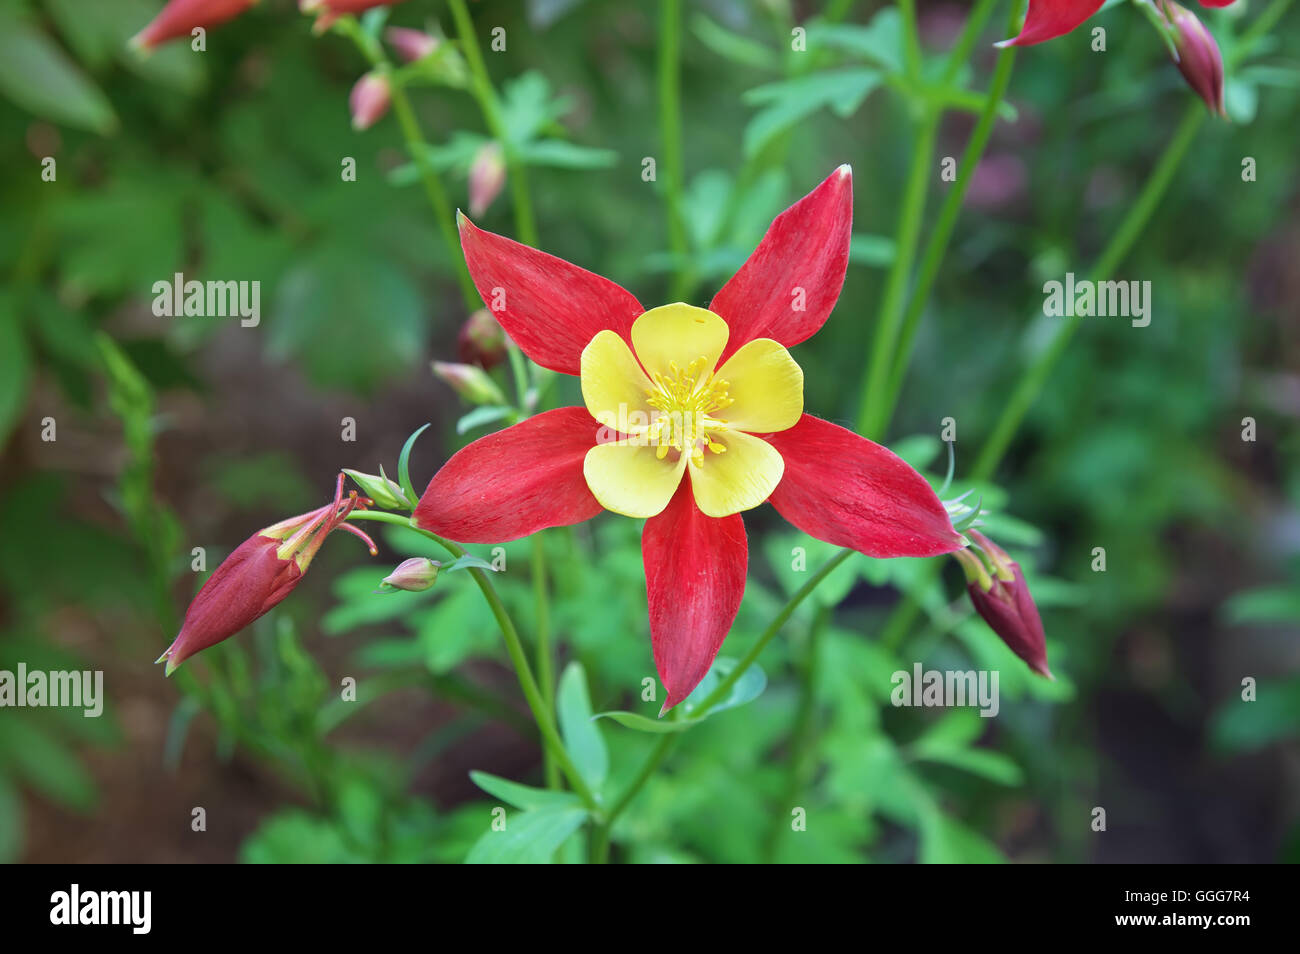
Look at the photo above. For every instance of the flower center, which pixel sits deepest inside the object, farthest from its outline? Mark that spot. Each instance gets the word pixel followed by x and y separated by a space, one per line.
pixel 686 401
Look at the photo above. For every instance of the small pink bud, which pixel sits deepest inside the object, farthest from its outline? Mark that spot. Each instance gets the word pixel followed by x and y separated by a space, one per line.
pixel 369 100
pixel 413 575
pixel 1002 598
pixel 411 45
pixel 1199 59
pixel 481 340
pixel 487 176
pixel 180 17
pixel 261 572
pixel 470 382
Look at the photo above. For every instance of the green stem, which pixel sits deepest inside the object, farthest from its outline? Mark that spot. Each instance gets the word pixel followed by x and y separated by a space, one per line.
pixel 514 648
pixel 937 246
pixel 418 148
pixel 545 664
pixel 870 419
pixel 486 95
pixel 670 132
pixel 911 38
pixel 723 688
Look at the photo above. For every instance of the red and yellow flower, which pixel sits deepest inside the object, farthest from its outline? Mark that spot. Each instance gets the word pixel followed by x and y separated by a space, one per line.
pixel 692 417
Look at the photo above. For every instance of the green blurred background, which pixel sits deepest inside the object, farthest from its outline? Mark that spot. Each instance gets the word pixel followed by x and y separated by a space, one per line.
pixel 174 433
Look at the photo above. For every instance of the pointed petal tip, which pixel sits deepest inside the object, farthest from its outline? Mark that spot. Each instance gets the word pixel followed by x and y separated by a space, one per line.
pixel 162 657
pixel 1003 44
pixel 172 666
pixel 845 170
pixel 668 704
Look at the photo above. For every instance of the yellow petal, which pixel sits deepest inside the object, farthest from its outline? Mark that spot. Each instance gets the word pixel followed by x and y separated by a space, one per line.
pixel 614 387
pixel 740 478
pixel 630 479
pixel 766 388
pixel 678 334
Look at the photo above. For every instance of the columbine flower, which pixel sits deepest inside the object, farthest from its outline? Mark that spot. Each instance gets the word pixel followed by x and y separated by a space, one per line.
pixel 369 100
pixel 1048 19
pixel 180 17
pixel 261 572
pixel 1000 595
pixel 712 406
pixel 1199 59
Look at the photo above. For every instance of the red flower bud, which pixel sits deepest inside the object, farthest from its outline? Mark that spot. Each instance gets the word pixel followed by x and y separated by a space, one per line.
pixel 1199 59
pixel 261 572
pixel 411 45
pixel 481 340
pixel 487 176
pixel 414 575
pixel 369 100
pixel 1002 598
pixel 180 17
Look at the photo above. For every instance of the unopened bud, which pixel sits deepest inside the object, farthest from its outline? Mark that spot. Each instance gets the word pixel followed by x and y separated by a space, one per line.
pixel 382 489
pixel 413 575
pixel 470 382
pixel 487 176
pixel 1199 59
pixel 482 340
pixel 411 45
pixel 369 100
pixel 1000 595
pixel 327 11
pixel 180 17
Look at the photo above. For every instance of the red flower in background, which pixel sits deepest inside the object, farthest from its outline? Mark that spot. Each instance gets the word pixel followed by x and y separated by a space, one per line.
pixel 692 416
pixel 1048 19
pixel 180 17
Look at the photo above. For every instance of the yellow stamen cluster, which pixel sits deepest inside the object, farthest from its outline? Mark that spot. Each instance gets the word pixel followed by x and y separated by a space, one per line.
pixel 687 400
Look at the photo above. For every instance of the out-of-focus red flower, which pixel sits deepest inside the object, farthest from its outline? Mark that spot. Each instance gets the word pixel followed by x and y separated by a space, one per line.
pixel 1199 59
pixel 1001 596
pixel 327 11
pixel 481 340
pixel 261 572
pixel 692 416
pixel 1048 19
pixel 369 100
pixel 180 17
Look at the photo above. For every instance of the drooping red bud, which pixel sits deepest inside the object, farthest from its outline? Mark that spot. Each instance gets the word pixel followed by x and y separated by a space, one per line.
pixel 411 45
pixel 481 340
pixel 1199 59
pixel 369 100
pixel 261 572
pixel 180 17
pixel 1000 595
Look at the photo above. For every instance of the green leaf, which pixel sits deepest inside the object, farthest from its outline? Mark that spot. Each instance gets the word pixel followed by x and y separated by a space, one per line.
pixel 527 107
pixel 529 837
pixel 480 416
pixel 644 724
pixel 747 688
pixel 565 155
pixel 1267 604
pixel 1272 716
pixel 993 766
pixel 946 841
pixel 14 366
pixel 523 796
pixel 468 562
pixel 731 46
pixel 404 466
pixel 790 101
pixel 38 76
pixel 881 41
pixel 582 736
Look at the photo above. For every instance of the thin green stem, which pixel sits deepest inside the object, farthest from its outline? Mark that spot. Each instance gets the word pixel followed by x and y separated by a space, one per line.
pixel 911 38
pixel 418 149
pixel 670 133
pixel 961 50
pixel 937 246
pixel 515 649
pixel 490 105
pixel 542 648
pixel 723 689
pixel 870 419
